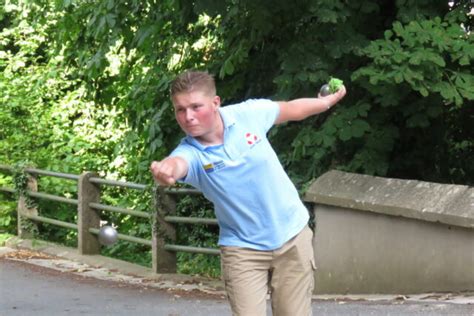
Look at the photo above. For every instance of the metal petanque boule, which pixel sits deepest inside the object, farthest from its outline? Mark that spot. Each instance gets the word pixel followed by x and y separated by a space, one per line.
pixel 107 235
pixel 325 90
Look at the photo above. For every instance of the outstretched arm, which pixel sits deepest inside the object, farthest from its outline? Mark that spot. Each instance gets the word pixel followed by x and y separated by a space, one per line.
pixel 169 170
pixel 299 109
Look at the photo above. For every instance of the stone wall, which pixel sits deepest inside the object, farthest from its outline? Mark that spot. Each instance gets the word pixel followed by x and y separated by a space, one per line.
pixel 379 235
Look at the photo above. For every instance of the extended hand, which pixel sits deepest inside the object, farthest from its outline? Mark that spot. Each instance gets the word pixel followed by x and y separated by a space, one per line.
pixel 163 172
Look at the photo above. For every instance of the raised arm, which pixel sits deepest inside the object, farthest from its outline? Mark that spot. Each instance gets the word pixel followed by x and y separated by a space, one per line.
pixel 299 109
pixel 169 170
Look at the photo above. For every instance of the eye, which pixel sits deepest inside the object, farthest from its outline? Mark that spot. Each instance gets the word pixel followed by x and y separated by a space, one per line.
pixel 196 106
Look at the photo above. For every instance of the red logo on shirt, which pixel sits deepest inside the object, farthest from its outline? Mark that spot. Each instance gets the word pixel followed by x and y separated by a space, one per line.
pixel 251 138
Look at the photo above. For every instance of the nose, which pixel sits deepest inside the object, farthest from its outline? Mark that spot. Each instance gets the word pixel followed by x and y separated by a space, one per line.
pixel 189 115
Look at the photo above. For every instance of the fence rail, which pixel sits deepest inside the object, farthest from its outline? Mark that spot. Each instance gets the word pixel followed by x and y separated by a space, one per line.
pixel 7 190
pixel 51 221
pixel 89 209
pixel 116 209
pixel 191 220
pixel 137 240
pixel 52 197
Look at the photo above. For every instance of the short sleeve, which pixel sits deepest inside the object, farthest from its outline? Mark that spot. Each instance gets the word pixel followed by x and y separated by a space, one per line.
pixel 261 113
pixel 186 152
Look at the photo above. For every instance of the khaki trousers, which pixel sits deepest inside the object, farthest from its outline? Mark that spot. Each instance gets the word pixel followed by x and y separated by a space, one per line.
pixel 288 272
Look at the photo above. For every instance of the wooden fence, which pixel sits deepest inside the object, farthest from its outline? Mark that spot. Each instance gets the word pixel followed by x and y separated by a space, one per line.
pixel 162 214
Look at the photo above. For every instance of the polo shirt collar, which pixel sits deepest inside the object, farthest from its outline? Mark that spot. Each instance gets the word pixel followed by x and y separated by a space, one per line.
pixel 227 118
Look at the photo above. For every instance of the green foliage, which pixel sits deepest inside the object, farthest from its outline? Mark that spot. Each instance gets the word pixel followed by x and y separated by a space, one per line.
pixel 335 84
pixel 126 224
pixel 429 56
pixel 129 251
pixel 4 238
pixel 8 217
pixel 199 264
pixel 197 236
pixel 421 76
pixel 20 181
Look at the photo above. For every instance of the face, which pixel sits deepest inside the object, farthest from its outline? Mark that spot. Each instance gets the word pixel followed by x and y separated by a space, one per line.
pixel 196 113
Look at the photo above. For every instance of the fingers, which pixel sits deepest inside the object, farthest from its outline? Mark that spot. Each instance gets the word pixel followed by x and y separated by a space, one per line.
pixel 162 171
pixel 342 91
pixel 339 94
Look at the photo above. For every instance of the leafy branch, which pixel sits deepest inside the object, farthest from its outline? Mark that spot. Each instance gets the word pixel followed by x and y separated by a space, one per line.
pixel 20 181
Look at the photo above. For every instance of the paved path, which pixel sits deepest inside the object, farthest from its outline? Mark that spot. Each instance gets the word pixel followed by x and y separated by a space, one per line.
pixel 28 287
pixel 32 290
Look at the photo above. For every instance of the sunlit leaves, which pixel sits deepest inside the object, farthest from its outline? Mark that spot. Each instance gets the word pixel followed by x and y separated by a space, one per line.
pixel 429 47
pixel 121 56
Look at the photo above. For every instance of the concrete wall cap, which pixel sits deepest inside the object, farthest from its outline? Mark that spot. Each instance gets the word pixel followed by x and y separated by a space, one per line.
pixel 445 203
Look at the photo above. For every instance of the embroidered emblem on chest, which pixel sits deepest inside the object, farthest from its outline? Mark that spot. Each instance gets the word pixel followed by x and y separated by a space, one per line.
pixel 252 139
pixel 213 166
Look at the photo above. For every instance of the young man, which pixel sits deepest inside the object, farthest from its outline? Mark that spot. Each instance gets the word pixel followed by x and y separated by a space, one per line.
pixel 264 237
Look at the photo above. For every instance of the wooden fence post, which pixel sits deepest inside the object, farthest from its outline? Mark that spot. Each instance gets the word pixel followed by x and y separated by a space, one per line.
pixel 26 227
pixel 88 192
pixel 163 261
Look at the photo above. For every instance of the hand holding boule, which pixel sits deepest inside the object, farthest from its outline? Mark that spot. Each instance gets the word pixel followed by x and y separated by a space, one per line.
pixel 333 86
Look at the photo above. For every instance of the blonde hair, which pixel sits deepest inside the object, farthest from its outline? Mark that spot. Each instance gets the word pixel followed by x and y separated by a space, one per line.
pixel 193 80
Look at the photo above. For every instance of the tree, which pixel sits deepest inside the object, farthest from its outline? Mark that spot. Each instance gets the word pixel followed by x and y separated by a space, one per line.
pixel 408 72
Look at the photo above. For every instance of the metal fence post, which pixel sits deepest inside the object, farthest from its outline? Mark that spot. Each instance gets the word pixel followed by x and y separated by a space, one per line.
pixel 163 261
pixel 26 227
pixel 88 192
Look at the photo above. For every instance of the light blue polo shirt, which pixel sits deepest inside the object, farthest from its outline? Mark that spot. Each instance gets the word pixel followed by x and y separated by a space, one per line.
pixel 256 204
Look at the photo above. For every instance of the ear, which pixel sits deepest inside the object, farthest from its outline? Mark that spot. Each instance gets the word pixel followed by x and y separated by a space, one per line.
pixel 216 101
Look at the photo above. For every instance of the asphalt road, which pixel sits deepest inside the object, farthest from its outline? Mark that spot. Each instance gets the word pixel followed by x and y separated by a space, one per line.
pixel 27 289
